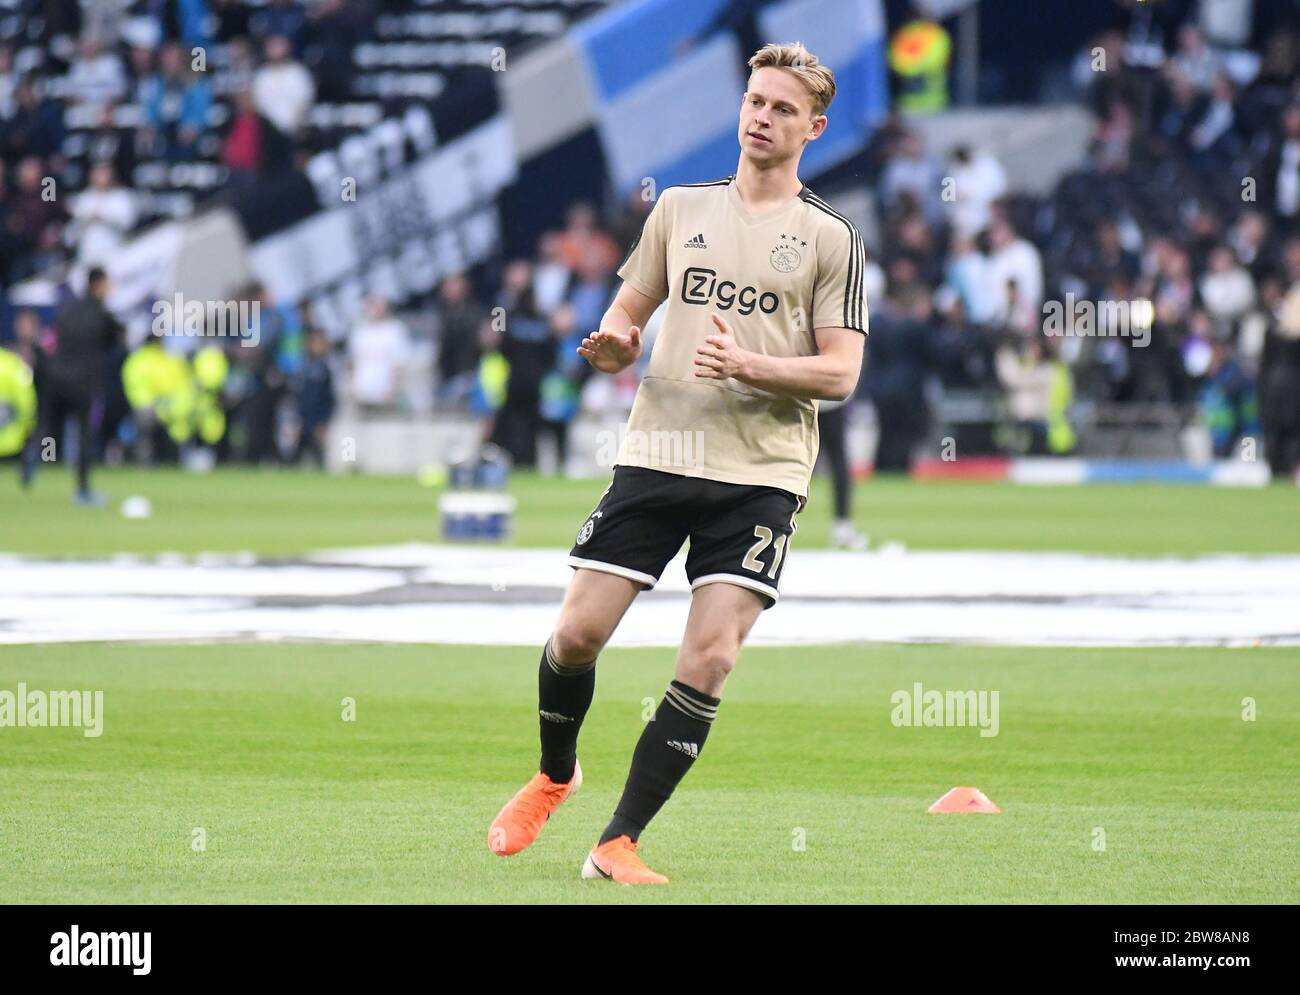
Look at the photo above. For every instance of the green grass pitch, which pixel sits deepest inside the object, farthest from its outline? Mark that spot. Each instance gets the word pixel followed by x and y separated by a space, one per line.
pixel 248 743
pixel 278 513
pixel 805 792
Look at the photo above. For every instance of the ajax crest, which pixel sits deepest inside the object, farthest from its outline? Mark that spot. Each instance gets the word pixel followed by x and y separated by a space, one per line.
pixel 785 256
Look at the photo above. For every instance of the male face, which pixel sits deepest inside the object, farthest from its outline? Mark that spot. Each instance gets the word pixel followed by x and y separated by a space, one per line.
pixel 776 117
pixel 27 326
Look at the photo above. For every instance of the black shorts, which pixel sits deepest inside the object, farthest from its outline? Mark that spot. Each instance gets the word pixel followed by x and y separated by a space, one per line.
pixel 739 533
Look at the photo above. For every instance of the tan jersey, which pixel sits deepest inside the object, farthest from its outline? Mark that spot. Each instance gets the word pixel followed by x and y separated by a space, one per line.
pixel 774 279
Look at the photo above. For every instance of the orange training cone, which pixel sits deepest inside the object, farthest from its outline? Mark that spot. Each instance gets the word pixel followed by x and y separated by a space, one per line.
pixel 964 800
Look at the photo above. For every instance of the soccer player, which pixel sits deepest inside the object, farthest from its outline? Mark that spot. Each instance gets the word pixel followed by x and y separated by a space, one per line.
pixel 765 316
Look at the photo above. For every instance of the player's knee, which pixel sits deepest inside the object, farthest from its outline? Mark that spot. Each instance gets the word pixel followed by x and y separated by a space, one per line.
pixel 577 641
pixel 708 665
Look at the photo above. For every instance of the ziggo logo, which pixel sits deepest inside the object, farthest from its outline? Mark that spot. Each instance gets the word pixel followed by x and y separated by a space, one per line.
pixel 701 286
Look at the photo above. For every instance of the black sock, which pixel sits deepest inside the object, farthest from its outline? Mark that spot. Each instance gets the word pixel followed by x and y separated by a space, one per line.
pixel 563 696
pixel 665 752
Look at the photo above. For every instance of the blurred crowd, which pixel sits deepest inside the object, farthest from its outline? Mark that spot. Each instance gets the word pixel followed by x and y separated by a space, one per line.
pixel 98 100
pixel 1181 233
pixel 1178 241
pixel 263 393
pixel 1182 228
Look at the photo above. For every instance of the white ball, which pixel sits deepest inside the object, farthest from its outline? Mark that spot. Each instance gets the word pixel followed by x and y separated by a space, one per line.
pixel 136 507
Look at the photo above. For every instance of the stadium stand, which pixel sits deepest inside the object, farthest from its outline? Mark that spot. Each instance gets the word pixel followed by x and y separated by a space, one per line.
pixel 147 113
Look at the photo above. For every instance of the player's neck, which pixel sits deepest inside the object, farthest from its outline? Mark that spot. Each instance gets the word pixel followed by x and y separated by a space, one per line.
pixel 765 189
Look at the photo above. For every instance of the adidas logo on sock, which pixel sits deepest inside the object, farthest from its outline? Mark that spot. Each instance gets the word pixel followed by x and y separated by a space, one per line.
pixel 690 749
pixel 553 716
pixel 695 243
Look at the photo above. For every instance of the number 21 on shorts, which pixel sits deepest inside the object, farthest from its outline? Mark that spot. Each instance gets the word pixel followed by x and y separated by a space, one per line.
pixel 752 562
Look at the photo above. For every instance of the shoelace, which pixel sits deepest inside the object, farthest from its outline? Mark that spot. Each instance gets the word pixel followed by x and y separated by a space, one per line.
pixel 532 804
pixel 631 844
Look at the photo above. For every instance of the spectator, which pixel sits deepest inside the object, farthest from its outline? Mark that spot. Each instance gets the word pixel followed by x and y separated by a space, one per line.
pixel 1196 61
pixel 978 180
pixel 1028 382
pixel 631 220
pixel 1227 401
pixel 961 350
pixel 102 216
pixel 1281 168
pixel 1184 106
pixel 36 127
pixel 592 290
pixel 242 150
pixel 97 78
pixel 1174 288
pixel 1265 97
pixel 315 393
pixel 34 209
pixel 1098 72
pixel 8 83
pixel 552 274
pixel 458 318
pixel 895 375
pixel 176 104
pixel 1109 258
pixel 141 60
pixel 1013 261
pixel 268 383
pixel 967 274
pixel 1280 376
pixel 28 344
pixel 912 177
pixel 529 346
pixel 1212 135
pixel 1227 290
pixel 582 235
pixel 333 28
pixel 560 388
pixel 1113 140
pixel 283 90
pixel 72 381
pixel 378 348
pixel 240 69
pixel 1251 240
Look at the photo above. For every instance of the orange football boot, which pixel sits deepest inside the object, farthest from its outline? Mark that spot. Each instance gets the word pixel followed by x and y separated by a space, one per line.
pixel 524 815
pixel 617 860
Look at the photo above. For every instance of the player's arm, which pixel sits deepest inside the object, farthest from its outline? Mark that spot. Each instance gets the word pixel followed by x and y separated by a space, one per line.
pixel 831 375
pixel 839 321
pixel 616 345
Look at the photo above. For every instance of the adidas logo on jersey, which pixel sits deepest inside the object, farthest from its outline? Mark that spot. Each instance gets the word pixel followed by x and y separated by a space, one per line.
pixel 553 716
pixel 690 749
pixel 695 243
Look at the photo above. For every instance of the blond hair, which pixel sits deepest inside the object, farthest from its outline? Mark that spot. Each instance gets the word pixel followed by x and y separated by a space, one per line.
pixel 815 76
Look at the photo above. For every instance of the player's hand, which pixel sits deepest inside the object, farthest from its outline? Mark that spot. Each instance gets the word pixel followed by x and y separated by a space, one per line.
pixel 719 358
pixel 611 352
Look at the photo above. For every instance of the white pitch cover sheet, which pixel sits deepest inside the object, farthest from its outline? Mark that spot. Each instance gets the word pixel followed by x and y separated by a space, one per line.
pixel 477 595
